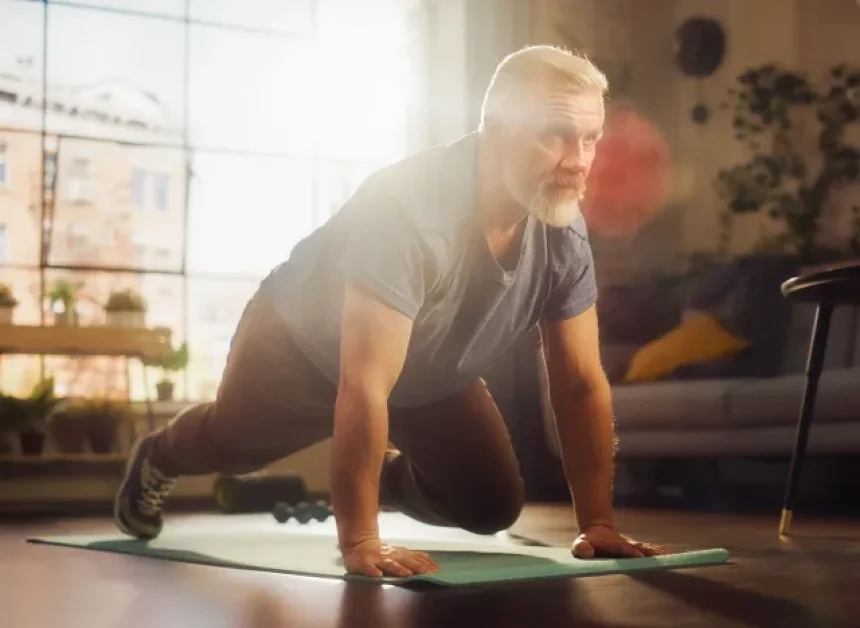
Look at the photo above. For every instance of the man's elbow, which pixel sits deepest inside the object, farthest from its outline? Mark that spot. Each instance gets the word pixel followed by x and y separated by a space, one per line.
pixel 594 390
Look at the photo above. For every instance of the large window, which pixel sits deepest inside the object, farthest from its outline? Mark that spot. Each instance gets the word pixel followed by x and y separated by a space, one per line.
pixel 183 147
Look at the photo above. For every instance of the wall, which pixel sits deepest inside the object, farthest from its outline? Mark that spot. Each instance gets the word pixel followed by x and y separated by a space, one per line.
pixel 633 41
pixel 466 40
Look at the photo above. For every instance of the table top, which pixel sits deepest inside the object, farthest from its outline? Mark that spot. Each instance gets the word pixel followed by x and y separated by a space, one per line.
pixel 839 285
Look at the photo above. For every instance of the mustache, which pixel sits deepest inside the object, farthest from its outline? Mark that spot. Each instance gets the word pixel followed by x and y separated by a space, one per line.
pixel 570 180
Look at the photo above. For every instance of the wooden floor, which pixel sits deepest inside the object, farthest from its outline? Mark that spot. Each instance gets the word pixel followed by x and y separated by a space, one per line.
pixel 812 580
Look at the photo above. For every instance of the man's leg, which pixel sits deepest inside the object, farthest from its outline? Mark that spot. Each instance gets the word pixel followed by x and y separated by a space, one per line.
pixel 271 403
pixel 457 466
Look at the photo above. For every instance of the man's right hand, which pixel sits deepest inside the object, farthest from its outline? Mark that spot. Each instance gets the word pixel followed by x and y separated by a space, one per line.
pixel 376 559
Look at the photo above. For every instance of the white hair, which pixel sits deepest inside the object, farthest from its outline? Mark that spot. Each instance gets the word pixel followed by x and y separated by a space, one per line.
pixel 536 66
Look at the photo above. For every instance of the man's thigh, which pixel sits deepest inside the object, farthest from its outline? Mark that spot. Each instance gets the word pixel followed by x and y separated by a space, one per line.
pixel 461 453
pixel 272 400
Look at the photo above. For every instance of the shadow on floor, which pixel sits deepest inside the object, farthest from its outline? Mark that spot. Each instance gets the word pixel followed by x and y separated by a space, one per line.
pixel 731 602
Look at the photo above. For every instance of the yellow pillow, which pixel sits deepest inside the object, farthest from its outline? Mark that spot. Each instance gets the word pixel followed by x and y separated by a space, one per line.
pixel 699 338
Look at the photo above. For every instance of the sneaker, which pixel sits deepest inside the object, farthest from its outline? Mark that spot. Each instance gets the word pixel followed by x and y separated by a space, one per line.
pixel 139 501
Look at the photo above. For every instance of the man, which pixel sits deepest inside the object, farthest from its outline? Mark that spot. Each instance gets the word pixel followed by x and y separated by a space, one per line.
pixel 379 327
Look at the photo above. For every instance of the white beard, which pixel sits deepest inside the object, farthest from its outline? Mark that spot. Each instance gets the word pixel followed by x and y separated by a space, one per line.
pixel 554 208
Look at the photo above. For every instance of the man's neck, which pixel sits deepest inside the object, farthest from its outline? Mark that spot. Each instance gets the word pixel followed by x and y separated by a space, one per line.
pixel 502 217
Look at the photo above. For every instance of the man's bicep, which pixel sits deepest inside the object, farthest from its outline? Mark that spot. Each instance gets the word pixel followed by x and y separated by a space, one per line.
pixel 374 339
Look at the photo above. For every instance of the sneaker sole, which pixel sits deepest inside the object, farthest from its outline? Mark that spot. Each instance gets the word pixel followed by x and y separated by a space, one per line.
pixel 118 516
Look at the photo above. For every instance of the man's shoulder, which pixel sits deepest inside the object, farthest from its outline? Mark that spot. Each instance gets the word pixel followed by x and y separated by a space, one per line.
pixel 433 188
pixel 430 171
pixel 570 240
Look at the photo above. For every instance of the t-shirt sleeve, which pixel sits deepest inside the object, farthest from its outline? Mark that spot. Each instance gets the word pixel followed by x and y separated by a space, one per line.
pixel 384 251
pixel 575 287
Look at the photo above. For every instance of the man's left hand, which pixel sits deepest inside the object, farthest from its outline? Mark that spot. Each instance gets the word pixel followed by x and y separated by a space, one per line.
pixel 604 542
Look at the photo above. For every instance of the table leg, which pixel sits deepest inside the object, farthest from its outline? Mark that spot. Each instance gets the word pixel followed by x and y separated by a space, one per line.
pixel 814 365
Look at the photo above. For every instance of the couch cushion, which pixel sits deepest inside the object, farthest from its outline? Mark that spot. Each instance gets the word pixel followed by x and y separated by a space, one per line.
pixel 776 401
pixel 690 405
pixel 829 438
pixel 744 296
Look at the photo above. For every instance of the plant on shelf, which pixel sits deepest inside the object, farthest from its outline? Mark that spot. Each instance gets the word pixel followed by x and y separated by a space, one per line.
pixel 172 362
pixel 63 300
pixel 93 423
pixel 125 308
pixel 28 418
pixel 8 303
pixel 791 173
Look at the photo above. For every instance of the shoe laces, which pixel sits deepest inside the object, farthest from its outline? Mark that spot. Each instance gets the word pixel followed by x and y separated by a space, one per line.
pixel 154 491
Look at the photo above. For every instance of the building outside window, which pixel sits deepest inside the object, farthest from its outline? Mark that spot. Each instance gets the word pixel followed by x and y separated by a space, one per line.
pixel 169 141
pixel 4 166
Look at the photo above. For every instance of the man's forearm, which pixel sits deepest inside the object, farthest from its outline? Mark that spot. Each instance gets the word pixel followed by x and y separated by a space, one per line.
pixel 587 436
pixel 358 450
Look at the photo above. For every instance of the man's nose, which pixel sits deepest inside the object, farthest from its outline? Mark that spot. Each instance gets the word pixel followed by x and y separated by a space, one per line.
pixel 574 156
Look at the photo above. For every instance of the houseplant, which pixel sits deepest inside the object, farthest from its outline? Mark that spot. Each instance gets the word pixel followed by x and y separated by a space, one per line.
pixel 173 362
pixel 39 407
pixel 93 421
pixel 8 303
pixel 794 169
pixel 28 418
pixel 13 420
pixel 63 299
pixel 125 308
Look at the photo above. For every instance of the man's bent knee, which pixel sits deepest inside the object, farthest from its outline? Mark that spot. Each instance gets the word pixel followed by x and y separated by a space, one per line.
pixel 490 513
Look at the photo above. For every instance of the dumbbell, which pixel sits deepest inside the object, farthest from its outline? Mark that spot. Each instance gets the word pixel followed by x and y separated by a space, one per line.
pixel 258 492
pixel 302 512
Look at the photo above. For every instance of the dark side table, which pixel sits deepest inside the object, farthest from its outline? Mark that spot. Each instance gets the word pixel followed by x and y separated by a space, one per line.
pixel 839 285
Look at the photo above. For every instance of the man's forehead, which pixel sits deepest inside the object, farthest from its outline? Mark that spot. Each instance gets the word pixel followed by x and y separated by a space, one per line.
pixel 583 109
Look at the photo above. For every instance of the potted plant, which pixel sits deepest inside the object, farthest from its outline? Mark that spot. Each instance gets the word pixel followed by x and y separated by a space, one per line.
pixel 35 412
pixel 69 427
pixel 125 308
pixel 102 418
pixel 63 299
pixel 14 419
pixel 8 303
pixel 175 361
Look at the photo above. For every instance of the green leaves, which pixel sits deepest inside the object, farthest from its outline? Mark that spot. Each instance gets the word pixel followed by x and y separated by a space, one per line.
pixel 781 177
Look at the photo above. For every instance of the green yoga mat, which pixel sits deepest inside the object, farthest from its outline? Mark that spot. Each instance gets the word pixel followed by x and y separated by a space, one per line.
pixel 311 550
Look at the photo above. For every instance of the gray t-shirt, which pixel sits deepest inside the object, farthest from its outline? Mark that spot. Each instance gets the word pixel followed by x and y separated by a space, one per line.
pixel 411 233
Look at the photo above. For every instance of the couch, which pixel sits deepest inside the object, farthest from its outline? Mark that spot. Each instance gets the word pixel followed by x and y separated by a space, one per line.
pixel 743 406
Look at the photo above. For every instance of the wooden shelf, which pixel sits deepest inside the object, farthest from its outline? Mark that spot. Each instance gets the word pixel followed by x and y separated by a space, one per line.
pixel 84 341
pixel 61 466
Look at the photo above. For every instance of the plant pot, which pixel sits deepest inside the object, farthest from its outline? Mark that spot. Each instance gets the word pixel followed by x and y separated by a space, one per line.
pixel 70 435
pixel 102 434
pixel 133 319
pixel 6 314
pixel 69 318
pixel 164 390
pixel 6 447
pixel 32 442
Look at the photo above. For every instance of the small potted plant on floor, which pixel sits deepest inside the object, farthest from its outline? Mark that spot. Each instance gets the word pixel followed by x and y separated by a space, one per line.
pixel 64 296
pixel 8 303
pixel 125 308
